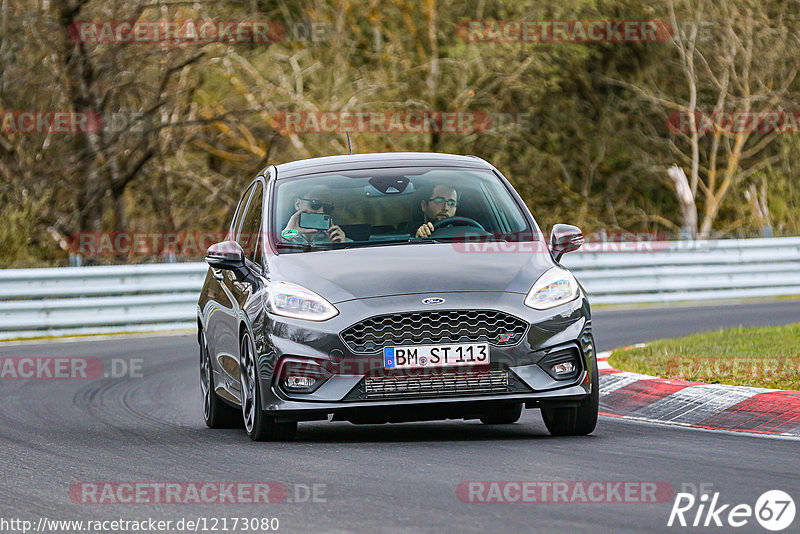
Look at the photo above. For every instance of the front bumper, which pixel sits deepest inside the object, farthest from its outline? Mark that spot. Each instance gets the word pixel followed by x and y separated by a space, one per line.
pixel 280 340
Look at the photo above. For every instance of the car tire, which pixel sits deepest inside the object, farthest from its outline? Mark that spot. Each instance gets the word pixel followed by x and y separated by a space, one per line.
pixel 503 415
pixel 258 425
pixel 216 412
pixel 577 421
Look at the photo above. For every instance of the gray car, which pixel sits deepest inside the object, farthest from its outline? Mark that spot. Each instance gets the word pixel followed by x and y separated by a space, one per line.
pixel 392 287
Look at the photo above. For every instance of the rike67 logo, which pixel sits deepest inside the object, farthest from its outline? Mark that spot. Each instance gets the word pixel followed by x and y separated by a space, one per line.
pixel 774 510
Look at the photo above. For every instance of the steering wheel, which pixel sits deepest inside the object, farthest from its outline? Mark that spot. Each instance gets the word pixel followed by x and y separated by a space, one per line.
pixel 457 221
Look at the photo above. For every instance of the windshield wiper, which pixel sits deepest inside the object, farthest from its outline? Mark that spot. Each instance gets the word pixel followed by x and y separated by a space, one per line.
pixel 305 247
pixel 309 247
pixel 381 243
pixel 425 240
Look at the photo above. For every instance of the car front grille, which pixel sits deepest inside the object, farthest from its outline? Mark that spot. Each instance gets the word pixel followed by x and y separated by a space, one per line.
pixel 495 381
pixel 447 326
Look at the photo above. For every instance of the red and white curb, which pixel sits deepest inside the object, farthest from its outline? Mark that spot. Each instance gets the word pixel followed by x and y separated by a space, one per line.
pixel 697 405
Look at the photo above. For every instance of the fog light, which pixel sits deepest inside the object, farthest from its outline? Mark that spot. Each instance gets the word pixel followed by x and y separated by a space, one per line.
pixel 563 368
pixel 299 382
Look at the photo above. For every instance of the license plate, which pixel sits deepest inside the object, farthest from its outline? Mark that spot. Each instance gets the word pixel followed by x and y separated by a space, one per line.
pixel 425 356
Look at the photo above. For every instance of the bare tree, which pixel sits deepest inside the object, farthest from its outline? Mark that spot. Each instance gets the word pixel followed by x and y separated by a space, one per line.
pixel 685 198
pixel 735 57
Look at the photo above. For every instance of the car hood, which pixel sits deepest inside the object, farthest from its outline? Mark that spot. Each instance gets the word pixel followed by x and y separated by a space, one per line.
pixel 429 268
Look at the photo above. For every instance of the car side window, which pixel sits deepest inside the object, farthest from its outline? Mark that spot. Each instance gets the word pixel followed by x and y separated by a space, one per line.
pixel 249 236
pixel 237 217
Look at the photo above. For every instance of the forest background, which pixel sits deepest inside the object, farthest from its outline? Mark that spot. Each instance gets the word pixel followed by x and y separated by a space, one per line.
pixel 617 134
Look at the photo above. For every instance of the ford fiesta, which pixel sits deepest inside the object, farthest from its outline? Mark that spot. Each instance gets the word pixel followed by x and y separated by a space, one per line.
pixel 393 287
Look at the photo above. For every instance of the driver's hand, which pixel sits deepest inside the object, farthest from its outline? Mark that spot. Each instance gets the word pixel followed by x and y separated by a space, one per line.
pixel 335 234
pixel 425 230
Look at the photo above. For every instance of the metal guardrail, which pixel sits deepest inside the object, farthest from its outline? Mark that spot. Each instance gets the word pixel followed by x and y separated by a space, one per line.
pixel 129 298
pixel 673 271
pixel 95 300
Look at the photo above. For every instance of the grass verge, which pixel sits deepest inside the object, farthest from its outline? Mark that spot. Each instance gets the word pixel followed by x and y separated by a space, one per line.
pixel 766 357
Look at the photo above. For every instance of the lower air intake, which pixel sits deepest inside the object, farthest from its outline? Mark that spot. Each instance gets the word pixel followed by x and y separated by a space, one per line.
pixel 386 387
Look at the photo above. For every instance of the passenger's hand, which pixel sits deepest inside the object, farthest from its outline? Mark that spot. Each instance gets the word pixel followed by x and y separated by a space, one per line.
pixel 294 222
pixel 335 234
pixel 425 230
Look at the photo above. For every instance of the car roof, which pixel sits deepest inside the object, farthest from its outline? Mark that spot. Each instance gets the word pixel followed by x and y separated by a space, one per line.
pixel 377 160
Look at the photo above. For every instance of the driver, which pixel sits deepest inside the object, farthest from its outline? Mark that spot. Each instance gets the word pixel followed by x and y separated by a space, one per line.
pixel 441 204
pixel 315 200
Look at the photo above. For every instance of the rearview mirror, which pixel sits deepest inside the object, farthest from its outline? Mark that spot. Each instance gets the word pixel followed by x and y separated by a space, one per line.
pixel 565 238
pixel 386 186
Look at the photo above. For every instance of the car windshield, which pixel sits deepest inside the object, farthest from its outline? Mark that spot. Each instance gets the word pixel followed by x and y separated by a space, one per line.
pixel 382 207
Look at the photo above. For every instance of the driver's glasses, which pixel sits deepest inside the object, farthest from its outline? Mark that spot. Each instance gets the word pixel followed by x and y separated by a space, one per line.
pixel 439 200
pixel 314 204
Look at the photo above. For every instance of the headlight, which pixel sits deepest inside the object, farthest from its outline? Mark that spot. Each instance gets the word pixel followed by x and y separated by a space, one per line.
pixel 292 300
pixel 556 286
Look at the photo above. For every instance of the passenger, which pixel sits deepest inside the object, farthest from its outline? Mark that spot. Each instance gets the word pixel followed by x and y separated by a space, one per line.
pixel 315 200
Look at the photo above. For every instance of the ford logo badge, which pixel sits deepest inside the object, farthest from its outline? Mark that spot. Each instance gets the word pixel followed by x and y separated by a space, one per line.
pixel 433 300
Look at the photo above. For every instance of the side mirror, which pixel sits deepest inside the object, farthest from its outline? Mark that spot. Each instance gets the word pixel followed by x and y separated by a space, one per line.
pixel 226 255
pixel 565 238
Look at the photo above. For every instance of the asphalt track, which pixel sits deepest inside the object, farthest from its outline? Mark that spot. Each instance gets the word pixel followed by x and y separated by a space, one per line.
pixel 387 478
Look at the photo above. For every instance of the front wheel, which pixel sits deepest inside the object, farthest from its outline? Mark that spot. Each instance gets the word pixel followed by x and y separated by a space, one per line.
pixel 577 421
pixel 259 426
pixel 216 413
